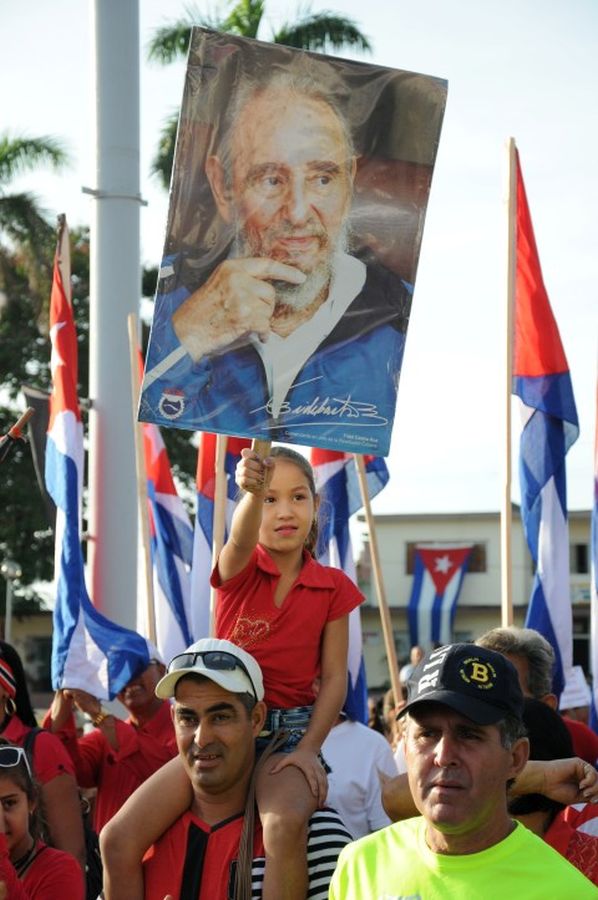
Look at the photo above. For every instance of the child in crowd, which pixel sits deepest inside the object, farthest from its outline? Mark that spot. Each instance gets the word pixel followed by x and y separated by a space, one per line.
pixel 291 614
pixel 51 764
pixel 29 869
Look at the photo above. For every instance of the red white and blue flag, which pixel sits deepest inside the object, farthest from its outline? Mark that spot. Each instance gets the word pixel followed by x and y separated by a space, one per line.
pixel 438 573
pixel 204 523
pixel 594 585
pixel 88 651
pixel 340 497
pixel 171 538
pixel 542 382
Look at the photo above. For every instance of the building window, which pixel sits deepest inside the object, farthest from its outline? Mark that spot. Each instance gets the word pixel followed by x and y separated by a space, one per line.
pixel 477 560
pixel 579 559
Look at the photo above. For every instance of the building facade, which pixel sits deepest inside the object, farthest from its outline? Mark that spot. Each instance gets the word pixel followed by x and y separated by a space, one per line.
pixel 479 606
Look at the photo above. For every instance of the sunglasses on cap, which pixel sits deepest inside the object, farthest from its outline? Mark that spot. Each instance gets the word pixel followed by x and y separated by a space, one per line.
pixel 12 756
pixel 216 660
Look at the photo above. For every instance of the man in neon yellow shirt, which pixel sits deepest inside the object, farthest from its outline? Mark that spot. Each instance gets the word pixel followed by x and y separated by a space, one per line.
pixel 465 742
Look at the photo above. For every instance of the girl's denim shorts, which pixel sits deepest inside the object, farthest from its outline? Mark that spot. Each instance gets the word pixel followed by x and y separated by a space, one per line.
pixel 294 722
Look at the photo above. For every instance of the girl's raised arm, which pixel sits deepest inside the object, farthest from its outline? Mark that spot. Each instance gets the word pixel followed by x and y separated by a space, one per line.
pixel 252 476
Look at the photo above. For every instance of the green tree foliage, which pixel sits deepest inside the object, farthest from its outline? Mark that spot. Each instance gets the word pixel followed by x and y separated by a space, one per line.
pixel 323 31
pixel 26 238
pixel 25 359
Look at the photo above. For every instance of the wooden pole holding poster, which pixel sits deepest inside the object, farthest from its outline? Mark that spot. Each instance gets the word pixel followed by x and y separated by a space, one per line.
pixel 506 563
pixel 389 643
pixel 219 523
pixel 141 478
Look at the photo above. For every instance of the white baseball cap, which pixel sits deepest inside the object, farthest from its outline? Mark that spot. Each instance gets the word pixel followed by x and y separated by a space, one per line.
pixel 218 660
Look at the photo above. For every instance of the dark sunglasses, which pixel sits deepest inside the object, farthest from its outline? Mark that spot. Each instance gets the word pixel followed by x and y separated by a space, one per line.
pixel 217 660
pixel 12 756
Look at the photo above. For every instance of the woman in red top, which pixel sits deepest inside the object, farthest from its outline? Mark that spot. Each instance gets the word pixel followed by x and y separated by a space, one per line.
pixel 29 869
pixel 291 614
pixel 51 763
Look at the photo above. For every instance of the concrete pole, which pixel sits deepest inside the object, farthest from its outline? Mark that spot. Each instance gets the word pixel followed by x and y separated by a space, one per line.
pixel 114 293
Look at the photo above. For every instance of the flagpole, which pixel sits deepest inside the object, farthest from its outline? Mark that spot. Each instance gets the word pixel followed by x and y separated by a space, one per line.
pixel 141 478
pixel 385 619
pixel 219 524
pixel 506 517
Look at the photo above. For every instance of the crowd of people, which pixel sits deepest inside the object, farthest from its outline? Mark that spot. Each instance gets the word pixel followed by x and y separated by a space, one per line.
pixel 237 773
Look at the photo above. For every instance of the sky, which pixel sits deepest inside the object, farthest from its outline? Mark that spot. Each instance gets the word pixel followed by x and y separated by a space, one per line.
pixel 515 68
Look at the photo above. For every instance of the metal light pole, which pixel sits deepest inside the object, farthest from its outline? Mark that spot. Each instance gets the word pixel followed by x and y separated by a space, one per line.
pixel 11 570
pixel 115 280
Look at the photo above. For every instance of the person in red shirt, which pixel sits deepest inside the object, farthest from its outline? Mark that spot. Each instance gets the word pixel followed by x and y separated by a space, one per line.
pixel 549 739
pixel 218 712
pixel 291 613
pixel 52 766
pixel 117 756
pixel 29 869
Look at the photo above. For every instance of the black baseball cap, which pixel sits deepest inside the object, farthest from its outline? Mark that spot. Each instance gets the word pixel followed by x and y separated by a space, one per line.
pixel 474 681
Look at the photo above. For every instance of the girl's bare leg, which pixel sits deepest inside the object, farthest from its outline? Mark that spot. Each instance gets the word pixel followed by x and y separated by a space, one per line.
pixel 285 803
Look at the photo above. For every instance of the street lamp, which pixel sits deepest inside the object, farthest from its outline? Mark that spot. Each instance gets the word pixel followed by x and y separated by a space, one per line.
pixel 11 570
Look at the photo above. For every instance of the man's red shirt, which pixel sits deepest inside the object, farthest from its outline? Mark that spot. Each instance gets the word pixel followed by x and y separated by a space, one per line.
pixel 117 773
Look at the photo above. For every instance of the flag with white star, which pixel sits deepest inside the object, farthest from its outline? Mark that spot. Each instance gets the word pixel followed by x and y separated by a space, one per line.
pixel 438 574
pixel 88 650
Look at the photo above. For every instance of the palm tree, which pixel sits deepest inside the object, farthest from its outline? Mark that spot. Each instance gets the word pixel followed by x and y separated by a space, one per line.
pixel 26 238
pixel 324 31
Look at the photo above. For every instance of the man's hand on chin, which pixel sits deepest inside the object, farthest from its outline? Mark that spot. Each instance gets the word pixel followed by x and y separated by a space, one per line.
pixel 237 299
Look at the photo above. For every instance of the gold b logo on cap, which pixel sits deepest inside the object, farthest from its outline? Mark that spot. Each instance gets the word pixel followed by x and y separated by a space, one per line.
pixel 478 674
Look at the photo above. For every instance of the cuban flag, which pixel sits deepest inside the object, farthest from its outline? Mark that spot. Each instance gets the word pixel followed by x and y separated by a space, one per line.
pixel 340 497
pixel 542 382
pixel 88 651
pixel 438 573
pixel 594 586
pixel 171 537
pixel 205 480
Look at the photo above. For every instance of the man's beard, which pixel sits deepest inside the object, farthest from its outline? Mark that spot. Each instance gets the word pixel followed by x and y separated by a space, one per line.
pixel 294 297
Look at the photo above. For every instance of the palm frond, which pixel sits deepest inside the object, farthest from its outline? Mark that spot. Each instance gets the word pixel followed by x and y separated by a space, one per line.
pixel 164 159
pixel 244 19
pixel 21 154
pixel 322 31
pixel 21 218
pixel 170 42
pixel 29 239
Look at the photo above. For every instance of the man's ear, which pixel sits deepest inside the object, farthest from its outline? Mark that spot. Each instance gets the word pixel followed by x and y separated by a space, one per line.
pixel 258 717
pixel 519 756
pixel 216 177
